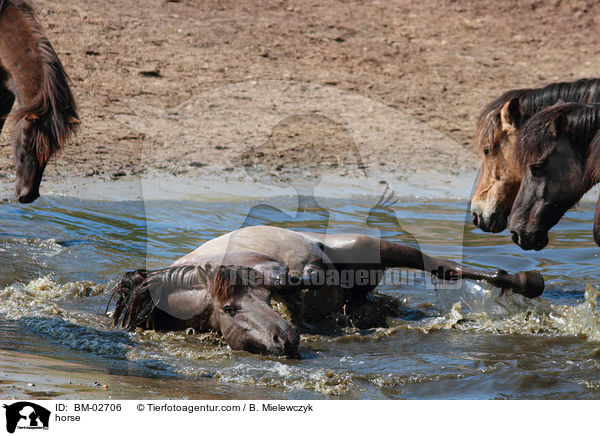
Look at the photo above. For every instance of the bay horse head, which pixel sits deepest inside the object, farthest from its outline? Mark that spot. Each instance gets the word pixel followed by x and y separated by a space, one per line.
pixel 32 74
pixel 35 139
pixel 498 180
pixel 229 299
pixel 30 160
pixel 553 150
pixel 497 130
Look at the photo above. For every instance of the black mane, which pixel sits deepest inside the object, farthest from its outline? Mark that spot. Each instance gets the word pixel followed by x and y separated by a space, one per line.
pixel 54 107
pixel 531 100
pixel 141 292
pixel 580 125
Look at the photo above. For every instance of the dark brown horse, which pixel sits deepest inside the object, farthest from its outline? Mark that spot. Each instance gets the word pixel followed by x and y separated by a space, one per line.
pixel 497 130
pixel 319 282
pixel 558 151
pixel 31 73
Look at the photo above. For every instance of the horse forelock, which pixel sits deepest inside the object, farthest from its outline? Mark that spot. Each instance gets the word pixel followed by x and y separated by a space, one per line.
pixel 54 108
pixel 581 122
pixel 228 282
pixel 488 129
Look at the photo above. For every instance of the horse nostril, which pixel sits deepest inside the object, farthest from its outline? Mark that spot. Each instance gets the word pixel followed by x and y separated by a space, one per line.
pixel 27 195
pixel 475 219
pixel 276 339
pixel 515 237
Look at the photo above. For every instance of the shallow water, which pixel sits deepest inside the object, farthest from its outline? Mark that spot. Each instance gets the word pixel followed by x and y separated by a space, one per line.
pixel 463 340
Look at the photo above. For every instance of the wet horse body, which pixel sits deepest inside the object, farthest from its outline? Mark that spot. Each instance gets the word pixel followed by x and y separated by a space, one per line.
pixel 32 75
pixel 497 130
pixel 321 282
pixel 558 152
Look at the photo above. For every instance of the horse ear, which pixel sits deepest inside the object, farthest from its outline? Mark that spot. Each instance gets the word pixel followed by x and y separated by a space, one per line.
pixel 557 125
pixel 510 116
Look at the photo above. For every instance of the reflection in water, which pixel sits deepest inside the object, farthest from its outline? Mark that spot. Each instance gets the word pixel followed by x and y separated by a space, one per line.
pixel 56 258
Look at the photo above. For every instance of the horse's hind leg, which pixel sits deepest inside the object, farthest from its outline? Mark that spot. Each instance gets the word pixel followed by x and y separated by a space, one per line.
pixel 7 99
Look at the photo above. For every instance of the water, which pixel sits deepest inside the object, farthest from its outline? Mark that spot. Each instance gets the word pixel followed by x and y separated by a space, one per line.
pixel 58 255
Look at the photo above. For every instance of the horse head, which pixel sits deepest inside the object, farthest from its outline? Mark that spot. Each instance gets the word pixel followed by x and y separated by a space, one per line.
pixel 232 300
pixel 30 159
pixel 498 179
pixel 552 149
pixel 498 128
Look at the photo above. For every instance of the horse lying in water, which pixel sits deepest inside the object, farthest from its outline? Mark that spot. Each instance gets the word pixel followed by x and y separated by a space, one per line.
pixel 31 73
pixel 497 130
pixel 229 283
pixel 558 152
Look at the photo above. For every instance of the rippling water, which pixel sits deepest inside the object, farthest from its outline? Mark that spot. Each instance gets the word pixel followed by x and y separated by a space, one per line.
pixel 58 255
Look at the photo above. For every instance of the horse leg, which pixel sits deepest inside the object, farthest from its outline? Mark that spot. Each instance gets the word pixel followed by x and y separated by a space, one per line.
pixel 527 283
pixel 359 254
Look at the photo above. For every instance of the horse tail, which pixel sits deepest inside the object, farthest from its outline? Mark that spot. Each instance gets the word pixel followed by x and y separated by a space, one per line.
pixel 54 110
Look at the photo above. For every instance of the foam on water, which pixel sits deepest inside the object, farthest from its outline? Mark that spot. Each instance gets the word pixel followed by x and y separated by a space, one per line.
pixel 46 308
pixel 492 311
pixel 42 307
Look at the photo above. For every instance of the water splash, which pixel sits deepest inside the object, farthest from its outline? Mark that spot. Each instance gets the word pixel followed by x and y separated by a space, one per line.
pixel 489 310
pixel 57 311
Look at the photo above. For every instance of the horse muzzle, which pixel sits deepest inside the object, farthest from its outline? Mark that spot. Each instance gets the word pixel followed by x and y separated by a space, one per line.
pixel 494 223
pixel 26 194
pixel 285 341
pixel 530 240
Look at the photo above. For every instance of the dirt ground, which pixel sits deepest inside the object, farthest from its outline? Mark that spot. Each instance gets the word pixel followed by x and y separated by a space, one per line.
pixel 437 61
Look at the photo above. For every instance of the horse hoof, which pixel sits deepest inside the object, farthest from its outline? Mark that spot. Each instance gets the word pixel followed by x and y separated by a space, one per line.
pixel 532 284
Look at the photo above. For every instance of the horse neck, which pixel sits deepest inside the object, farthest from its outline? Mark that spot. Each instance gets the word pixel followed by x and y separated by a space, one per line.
pixel 40 80
pixel 17 42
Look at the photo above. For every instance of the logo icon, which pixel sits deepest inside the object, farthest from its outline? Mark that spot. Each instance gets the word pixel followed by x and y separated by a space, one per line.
pixel 26 415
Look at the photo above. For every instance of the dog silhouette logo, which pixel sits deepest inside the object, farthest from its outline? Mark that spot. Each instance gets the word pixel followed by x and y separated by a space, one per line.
pixel 26 415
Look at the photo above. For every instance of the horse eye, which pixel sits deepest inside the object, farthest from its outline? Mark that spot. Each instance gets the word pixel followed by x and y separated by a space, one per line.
pixel 486 151
pixel 537 170
pixel 230 310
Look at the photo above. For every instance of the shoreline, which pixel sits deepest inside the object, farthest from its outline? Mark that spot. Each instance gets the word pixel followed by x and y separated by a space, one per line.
pixel 237 187
pixel 213 188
